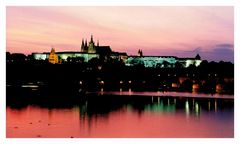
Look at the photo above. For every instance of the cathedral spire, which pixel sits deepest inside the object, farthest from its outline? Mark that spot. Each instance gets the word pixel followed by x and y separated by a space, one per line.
pixel 85 46
pixel 198 57
pixel 91 38
pixel 82 46
pixel 85 43
pixel 52 50
pixel 140 53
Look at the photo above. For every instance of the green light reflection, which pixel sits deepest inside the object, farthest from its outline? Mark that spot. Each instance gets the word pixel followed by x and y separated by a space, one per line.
pixel 160 107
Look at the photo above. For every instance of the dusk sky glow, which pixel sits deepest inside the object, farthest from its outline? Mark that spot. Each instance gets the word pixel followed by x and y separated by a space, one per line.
pixel 158 30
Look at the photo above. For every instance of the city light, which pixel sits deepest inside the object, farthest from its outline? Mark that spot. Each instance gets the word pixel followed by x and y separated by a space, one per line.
pixel 102 82
pixel 30 86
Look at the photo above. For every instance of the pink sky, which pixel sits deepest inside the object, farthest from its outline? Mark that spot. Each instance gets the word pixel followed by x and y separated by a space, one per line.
pixel 178 31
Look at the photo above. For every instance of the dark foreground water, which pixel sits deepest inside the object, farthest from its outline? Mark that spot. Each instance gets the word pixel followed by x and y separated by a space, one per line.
pixel 107 115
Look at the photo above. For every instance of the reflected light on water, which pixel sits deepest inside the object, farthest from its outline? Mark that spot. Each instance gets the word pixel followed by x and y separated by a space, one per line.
pixel 197 109
pixel 187 110
pixel 209 105
pixel 193 103
pixel 215 105
pixel 129 120
pixel 120 91
pixel 124 116
pixel 130 91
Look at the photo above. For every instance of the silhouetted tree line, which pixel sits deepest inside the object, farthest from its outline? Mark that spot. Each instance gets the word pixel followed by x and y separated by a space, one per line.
pixel 112 74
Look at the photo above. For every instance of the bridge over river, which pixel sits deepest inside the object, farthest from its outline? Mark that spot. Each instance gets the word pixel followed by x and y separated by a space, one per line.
pixel 165 94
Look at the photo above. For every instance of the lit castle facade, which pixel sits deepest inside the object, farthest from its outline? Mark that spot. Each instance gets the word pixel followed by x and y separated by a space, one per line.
pixel 91 50
pixel 162 61
pixel 87 52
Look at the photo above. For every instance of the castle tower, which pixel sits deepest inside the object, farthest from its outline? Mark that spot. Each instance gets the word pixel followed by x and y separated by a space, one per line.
pixel 140 53
pixel 91 47
pixel 85 46
pixel 82 46
pixel 53 58
pixel 91 39
pixel 198 57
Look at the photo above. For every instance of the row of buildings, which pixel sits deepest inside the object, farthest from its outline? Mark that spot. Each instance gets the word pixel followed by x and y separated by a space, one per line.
pixel 91 50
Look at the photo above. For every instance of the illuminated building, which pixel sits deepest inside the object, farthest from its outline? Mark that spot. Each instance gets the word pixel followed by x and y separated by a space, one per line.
pixel 89 51
pixel 186 62
pixel 162 61
pixel 151 61
pixel 86 53
pixel 53 58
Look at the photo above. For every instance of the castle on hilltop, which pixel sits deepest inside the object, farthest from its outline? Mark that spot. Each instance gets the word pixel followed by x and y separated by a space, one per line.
pixel 87 52
pixel 91 50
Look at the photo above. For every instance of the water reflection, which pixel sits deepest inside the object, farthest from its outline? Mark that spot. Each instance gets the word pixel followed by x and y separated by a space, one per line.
pixel 129 91
pixel 215 105
pixel 209 105
pixel 160 107
pixel 187 110
pixel 122 116
pixel 197 109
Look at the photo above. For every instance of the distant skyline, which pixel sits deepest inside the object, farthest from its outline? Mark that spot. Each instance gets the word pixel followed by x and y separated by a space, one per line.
pixel 158 30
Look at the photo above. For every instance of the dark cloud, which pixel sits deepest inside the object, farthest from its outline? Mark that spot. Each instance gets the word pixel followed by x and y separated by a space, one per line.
pixel 225 46
pixel 221 52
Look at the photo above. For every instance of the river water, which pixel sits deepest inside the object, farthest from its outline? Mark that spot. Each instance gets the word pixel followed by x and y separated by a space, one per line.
pixel 114 115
